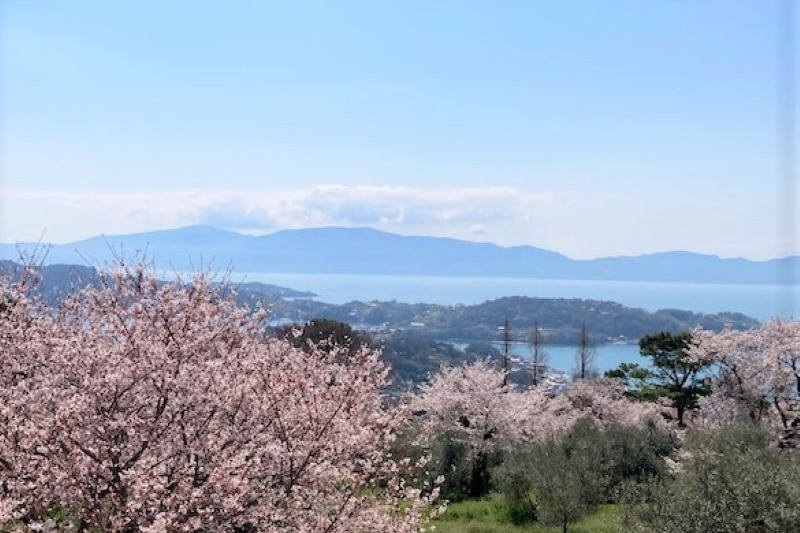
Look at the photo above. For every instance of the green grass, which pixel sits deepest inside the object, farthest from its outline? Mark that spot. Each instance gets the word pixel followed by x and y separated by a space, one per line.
pixel 492 516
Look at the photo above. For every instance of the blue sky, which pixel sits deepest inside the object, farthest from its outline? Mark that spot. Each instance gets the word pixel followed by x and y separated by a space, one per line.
pixel 589 127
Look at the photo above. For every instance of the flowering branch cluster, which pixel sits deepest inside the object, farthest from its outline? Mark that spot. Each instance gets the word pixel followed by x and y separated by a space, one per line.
pixel 151 407
pixel 758 374
pixel 473 403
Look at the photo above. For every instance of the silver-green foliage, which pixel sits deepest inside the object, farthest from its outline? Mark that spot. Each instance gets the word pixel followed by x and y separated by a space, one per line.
pixel 732 481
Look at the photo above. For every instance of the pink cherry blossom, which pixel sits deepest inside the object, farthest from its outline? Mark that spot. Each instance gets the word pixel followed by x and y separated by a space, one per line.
pixel 154 407
pixel 758 374
pixel 472 403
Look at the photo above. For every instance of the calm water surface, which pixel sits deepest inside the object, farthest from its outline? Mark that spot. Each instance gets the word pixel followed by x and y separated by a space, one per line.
pixel 562 358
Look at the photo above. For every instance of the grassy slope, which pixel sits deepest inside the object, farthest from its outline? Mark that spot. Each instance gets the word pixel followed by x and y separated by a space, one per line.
pixel 490 516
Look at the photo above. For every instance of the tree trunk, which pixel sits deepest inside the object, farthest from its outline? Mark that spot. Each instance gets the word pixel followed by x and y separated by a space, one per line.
pixel 479 484
pixel 681 406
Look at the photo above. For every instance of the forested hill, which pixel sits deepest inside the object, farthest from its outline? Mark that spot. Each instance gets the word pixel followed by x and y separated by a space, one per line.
pixel 561 318
pixel 58 281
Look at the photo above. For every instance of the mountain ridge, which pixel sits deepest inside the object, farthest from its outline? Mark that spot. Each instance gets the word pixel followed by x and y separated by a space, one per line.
pixel 369 251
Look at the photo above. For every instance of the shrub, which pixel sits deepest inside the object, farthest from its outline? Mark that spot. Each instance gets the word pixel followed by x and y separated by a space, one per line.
pixel 732 481
pixel 557 480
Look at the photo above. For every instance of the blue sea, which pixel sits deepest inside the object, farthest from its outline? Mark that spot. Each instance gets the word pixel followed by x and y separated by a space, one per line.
pixel 562 358
pixel 762 302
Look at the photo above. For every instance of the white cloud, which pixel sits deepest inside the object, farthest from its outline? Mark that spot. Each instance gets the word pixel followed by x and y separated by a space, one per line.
pixel 454 211
pixel 580 224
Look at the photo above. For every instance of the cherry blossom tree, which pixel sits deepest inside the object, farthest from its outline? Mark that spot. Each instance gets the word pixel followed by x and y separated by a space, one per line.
pixel 24 324
pixel 474 405
pixel 149 407
pixel 474 400
pixel 604 400
pixel 758 374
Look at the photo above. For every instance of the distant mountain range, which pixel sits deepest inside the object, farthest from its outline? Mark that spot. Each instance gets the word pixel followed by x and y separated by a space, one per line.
pixel 332 250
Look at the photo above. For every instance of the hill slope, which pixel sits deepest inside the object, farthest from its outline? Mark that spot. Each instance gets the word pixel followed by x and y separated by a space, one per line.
pixel 59 281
